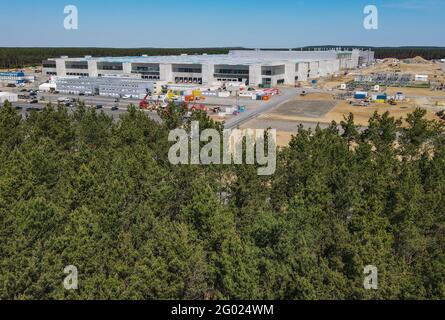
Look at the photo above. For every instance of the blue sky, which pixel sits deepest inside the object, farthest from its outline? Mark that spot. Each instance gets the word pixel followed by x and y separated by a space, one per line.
pixel 218 23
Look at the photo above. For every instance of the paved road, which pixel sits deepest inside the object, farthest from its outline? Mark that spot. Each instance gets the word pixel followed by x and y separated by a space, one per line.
pixel 25 108
pixel 275 102
pixel 107 103
pixel 91 100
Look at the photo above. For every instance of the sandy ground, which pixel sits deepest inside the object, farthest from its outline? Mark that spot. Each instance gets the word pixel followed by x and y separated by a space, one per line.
pixel 361 117
pixel 286 120
pixel 332 83
pixel 283 138
pixel 416 92
pixel 419 66
pixel 361 114
pixel 316 97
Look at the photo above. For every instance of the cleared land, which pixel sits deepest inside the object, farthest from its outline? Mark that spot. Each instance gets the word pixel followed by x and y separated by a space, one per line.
pixel 342 109
pixel 314 108
pixel 306 109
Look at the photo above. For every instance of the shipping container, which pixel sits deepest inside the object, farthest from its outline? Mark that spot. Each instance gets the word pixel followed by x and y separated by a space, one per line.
pixel 224 94
pixel 399 96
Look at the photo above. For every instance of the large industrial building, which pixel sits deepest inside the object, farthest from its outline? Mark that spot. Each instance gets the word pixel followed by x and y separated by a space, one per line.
pixel 252 67
pixel 110 86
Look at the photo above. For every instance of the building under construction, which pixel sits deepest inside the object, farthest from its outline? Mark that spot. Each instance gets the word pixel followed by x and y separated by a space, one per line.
pixel 252 67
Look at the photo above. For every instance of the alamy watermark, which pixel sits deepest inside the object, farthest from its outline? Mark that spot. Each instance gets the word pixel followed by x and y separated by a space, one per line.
pixel 371 21
pixel 371 281
pixel 228 149
pixel 71 21
pixel 71 281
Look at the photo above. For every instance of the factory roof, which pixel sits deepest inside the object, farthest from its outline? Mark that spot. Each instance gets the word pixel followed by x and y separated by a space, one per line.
pixel 238 57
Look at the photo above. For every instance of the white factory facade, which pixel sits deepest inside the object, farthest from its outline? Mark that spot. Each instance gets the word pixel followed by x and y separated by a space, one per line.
pixel 254 67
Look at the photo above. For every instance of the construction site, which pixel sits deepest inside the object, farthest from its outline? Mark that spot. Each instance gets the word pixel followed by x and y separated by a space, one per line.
pixel 390 85
pixel 250 89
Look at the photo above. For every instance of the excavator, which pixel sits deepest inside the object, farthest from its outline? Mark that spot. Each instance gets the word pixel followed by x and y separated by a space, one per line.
pixel 392 102
pixel 441 114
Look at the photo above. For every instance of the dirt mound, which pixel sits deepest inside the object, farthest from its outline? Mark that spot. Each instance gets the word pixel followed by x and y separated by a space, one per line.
pixel 418 59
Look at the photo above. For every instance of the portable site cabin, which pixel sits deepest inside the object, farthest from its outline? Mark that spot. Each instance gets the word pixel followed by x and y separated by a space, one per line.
pixel 8 96
pixel 210 93
pixel 421 78
pixel 246 94
pixel 314 84
pixel 47 87
pixel 360 95
pixel 399 96
pixel 380 98
pixel 224 94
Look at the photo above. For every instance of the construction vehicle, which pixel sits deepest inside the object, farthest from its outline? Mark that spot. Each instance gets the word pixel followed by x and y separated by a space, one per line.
pixel 441 114
pixel 199 107
pixel 392 102
pixel 143 104
pixel 360 104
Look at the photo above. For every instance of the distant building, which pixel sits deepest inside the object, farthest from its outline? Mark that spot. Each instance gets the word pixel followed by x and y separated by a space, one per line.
pixel 12 77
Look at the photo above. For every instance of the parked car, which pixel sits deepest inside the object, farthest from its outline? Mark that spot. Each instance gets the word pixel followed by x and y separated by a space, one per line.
pixel 115 108
pixel 33 101
pixel 99 106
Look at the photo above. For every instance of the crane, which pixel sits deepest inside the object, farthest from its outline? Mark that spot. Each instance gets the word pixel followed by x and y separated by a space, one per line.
pixel 143 104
